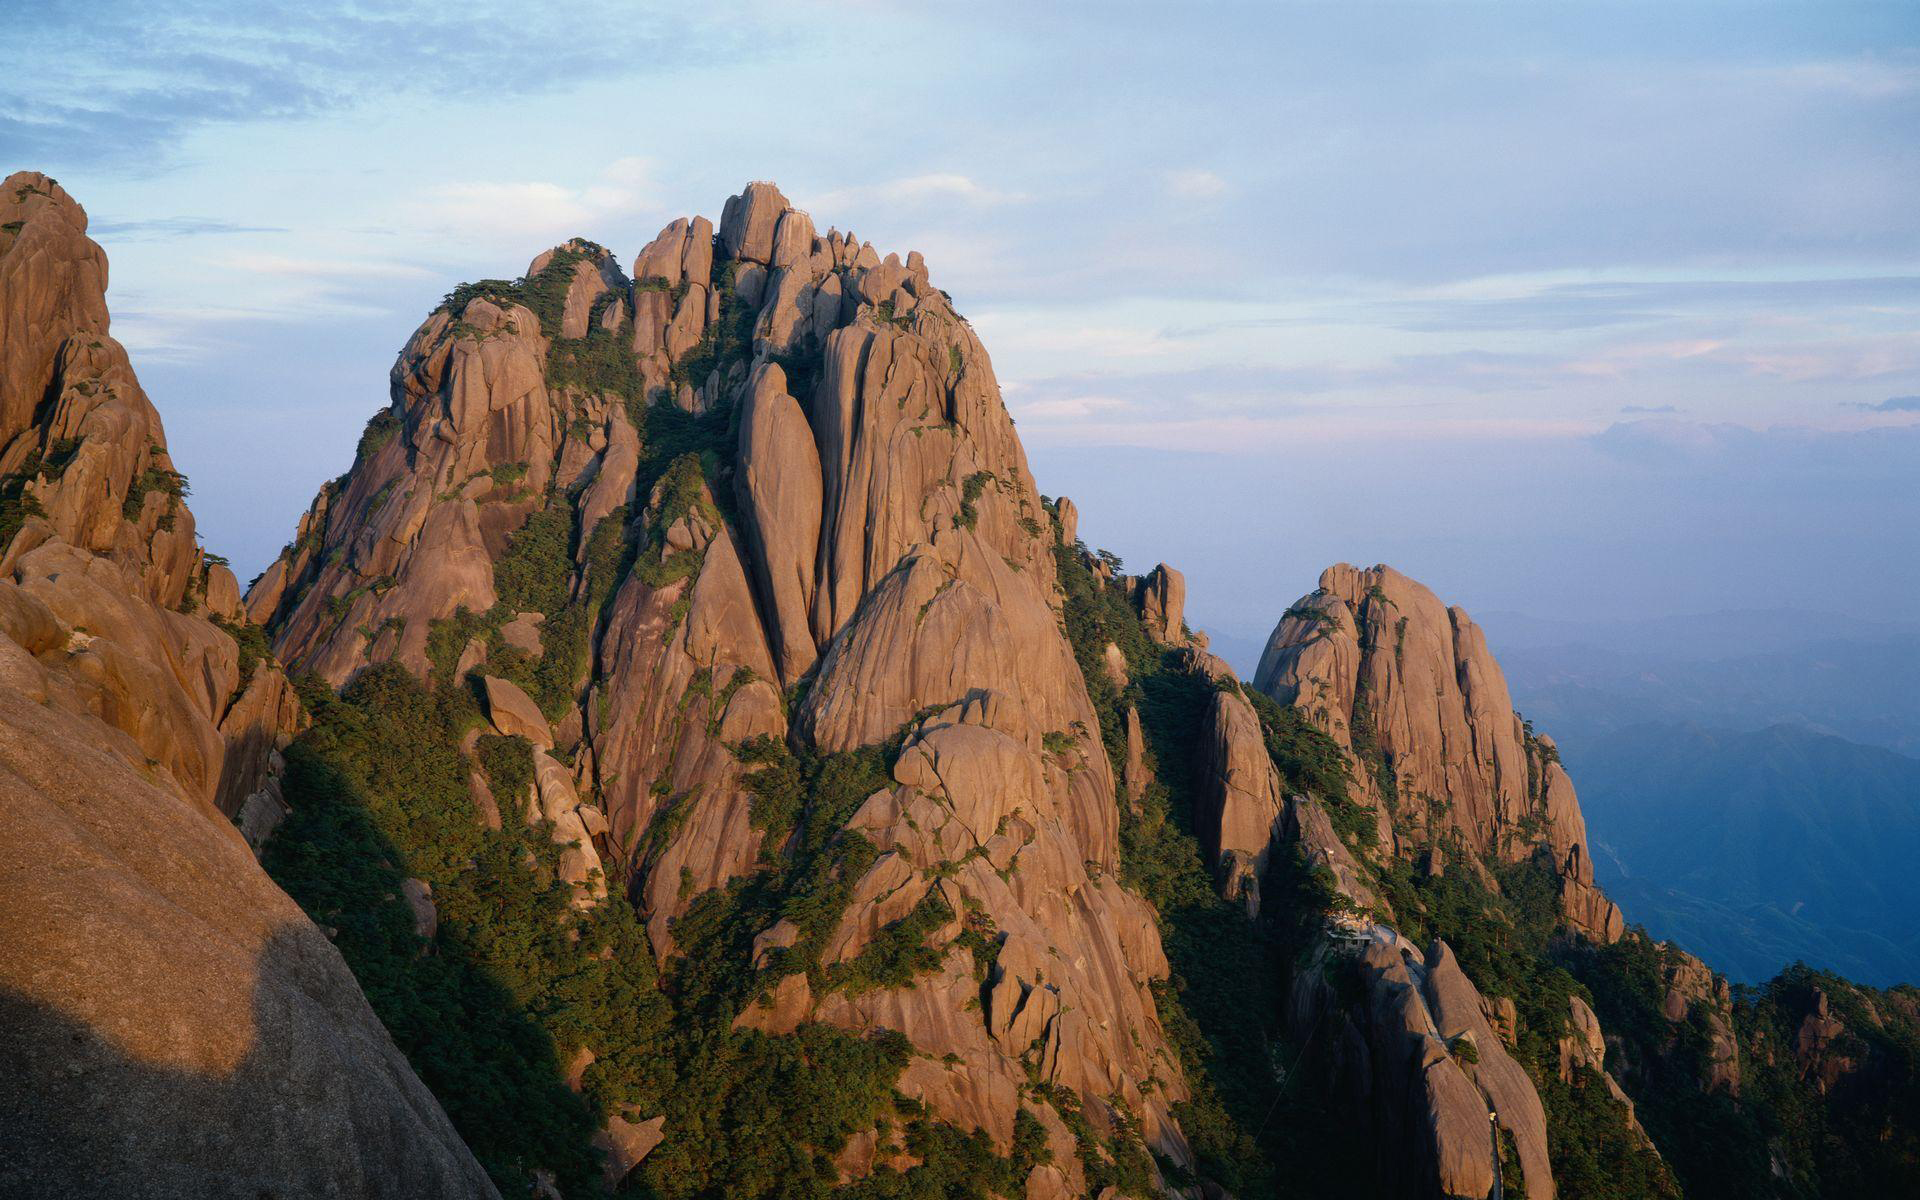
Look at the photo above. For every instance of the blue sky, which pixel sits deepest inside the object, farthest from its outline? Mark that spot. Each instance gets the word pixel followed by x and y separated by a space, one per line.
pixel 1563 308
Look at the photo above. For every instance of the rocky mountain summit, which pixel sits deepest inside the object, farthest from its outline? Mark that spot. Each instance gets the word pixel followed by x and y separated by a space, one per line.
pixel 726 774
pixel 763 499
pixel 173 1025
pixel 1408 688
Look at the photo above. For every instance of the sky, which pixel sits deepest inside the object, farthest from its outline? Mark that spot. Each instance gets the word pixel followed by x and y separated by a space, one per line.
pixel 1574 310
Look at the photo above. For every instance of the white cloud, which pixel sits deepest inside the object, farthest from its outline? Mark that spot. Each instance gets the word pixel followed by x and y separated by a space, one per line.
pixel 325 268
pixel 1239 434
pixel 1194 183
pixel 1619 361
pixel 1017 335
pixel 201 332
pixel 1065 408
pixel 1864 78
pixel 937 187
pixel 524 209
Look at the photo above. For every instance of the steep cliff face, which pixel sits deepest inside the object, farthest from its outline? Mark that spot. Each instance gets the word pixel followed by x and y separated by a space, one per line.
pixel 1493 1021
pixel 173 1025
pixel 1407 686
pixel 1381 759
pixel 728 776
pixel 752 516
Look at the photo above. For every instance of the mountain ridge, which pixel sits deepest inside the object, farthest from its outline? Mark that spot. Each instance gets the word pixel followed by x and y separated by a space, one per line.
pixel 1792 832
pixel 706 727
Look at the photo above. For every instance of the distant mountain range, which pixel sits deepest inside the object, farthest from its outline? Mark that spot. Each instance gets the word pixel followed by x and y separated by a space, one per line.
pixel 1728 670
pixel 1751 779
pixel 1753 849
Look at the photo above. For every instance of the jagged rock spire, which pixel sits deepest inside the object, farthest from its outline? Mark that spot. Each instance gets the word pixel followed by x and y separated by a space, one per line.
pixel 835 540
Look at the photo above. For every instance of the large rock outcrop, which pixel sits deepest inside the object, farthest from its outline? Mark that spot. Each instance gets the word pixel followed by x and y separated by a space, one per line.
pixel 1242 800
pixel 1450 779
pixel 834 542
pixel 173 1025
pixel 1444 1091
pixel 1408 687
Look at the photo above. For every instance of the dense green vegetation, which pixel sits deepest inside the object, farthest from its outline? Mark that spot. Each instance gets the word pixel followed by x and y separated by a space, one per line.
pixel 600 362
pixel 171 485
pixel 1257 1124
pixel 253 645
pixel 381 428
pixel 727 340
pixel 543 293
pixel 16 502
pixel 1780 1136
pixel 515 981
pixel 536 573
pixel 512 977
pixel 1507 941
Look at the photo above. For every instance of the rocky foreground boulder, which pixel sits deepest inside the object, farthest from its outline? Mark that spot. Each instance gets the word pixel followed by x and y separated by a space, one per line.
pixel 172 1024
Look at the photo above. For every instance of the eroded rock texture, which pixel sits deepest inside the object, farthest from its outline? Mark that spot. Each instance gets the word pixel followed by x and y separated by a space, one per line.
pixel 1440 775
pixel 1407 686
pixel 789 506
pixel 173 1025
pixel 1449 1092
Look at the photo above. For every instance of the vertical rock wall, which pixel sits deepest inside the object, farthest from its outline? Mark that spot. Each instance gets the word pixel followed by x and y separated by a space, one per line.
pixel 855 556
pixel 170 1023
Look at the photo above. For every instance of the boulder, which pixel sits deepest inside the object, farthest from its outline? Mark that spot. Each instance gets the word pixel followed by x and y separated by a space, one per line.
pixel 748 221
pixel 418 894
pixel 1161 597
pixel 1068 517
pixel 1239 808
pixel 780 495
pixel 625 1144
pixel 514 714
pixel 1135 773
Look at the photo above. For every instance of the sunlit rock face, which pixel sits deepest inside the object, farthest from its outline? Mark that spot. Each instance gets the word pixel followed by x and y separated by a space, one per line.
pixel 1440 775
pixel 1409 688
pixel 856 552
pixel 173 1025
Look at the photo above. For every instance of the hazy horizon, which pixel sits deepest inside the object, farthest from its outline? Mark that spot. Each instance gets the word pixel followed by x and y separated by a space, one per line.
pixel 1577 313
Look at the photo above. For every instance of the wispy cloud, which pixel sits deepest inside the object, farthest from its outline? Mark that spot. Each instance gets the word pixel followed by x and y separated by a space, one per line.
pixel 1194 183
pixel 1254 433
pixel 149 74
pixel 160 228
pixel 929 189
pixel 531 210
pixel 324 268
pixel 1893 404
pixel 1648 408
pixel 1866 78
pixel 1545 305
pixel 195 333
